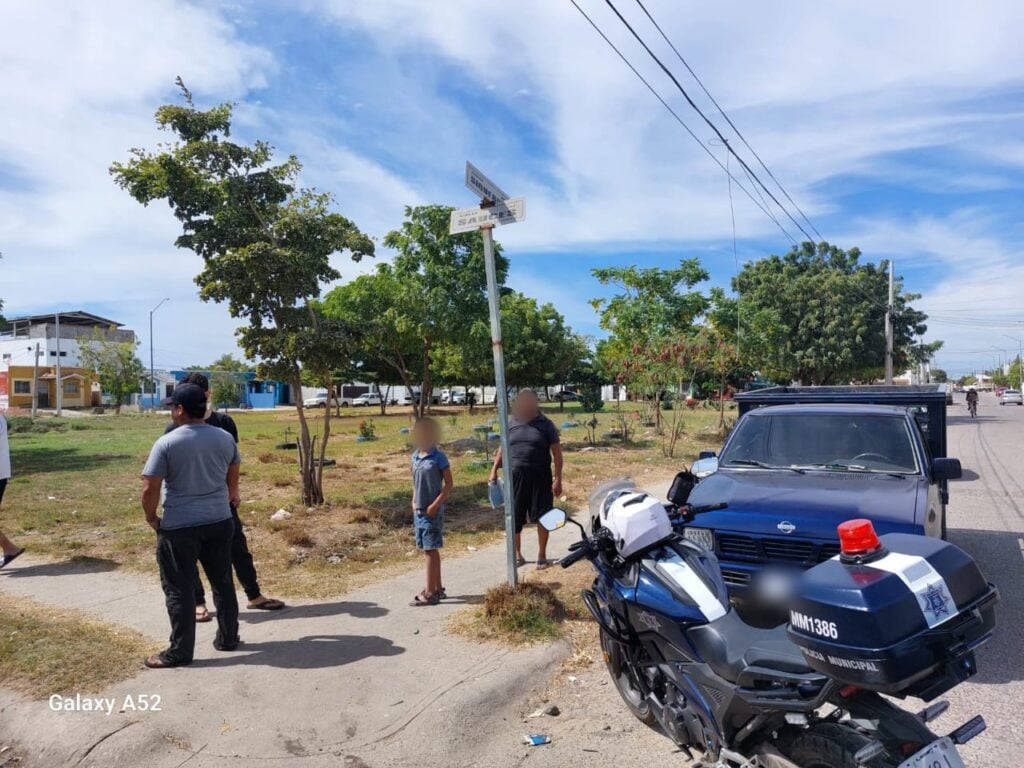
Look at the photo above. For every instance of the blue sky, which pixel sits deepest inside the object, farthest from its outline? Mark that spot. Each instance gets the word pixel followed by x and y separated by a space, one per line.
pixel 897 129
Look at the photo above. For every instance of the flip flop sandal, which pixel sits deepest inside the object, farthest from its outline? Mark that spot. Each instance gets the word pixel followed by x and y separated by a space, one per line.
pixel 442 594
pixel 267 605
pixel 8 559
pixel 203 615
pixel 424 599
pixel 543 565
pixel 520 562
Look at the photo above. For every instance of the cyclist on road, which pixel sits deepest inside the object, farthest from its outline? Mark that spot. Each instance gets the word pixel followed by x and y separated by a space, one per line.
pixel 972 401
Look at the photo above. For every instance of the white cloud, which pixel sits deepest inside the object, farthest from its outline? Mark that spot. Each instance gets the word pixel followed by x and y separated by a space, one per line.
pixel 823 91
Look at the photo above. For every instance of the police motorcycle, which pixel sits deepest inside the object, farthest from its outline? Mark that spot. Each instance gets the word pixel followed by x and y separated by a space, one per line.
pixel 898 615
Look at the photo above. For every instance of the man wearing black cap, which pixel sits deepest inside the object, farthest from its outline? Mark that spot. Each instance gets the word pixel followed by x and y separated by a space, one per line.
pixel 200 466
pixel 241 557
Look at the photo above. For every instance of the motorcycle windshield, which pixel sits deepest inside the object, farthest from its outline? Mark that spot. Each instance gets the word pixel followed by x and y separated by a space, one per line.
pixel 603 491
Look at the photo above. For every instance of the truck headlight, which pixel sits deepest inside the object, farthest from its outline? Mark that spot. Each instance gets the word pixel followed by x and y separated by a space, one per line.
pixel 702 537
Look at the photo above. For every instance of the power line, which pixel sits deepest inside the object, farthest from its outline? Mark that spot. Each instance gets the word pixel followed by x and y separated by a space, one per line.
pixel 710 124
pixel 727 119
pixel 680 120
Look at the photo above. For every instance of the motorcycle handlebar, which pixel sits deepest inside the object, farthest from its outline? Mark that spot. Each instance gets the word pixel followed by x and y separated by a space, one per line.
pixel 696 510
pixel 575 556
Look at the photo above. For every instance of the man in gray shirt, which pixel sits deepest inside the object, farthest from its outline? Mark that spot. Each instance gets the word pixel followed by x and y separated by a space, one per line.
pixel 199 465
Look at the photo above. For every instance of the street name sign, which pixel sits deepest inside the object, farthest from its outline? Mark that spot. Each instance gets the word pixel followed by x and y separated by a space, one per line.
pixel 510 211
pixel 481 186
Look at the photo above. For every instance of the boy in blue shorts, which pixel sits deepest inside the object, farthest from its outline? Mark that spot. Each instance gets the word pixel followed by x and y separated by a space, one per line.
pixel 431 487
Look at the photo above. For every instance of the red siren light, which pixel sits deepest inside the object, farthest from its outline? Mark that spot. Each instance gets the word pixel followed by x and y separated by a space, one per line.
pixel 858 537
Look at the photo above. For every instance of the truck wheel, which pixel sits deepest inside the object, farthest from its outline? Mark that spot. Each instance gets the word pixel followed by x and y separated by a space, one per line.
pixel 828 745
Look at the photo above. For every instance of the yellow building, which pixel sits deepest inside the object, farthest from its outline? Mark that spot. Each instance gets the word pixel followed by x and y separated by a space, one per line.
pixel 77 387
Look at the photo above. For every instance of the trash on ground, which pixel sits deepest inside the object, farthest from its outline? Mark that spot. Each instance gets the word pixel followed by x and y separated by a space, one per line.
pixel 281 514
pixel 536 739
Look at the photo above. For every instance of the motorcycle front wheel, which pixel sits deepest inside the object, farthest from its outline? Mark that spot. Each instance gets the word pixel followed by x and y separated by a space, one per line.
pixel 625 680
pixel 828 745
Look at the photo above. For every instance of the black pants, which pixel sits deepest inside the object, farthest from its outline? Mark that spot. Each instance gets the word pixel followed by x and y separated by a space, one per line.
pixel 241 558
pixel 177 552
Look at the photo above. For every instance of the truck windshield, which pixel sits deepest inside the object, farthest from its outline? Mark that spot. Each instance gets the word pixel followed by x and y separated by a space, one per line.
pixel 835 442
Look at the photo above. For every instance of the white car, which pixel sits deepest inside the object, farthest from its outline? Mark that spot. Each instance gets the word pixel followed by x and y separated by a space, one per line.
pixel 370 398
pixel 319 400
pixel 1011 397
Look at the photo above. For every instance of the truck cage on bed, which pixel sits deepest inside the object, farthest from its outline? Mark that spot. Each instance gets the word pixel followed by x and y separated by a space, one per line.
pixel 927 400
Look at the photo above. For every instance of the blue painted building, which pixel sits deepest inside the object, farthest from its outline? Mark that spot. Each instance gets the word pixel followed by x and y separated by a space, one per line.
pixel 253 392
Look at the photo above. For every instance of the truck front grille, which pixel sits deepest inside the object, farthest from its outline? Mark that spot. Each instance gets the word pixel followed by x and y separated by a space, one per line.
pixel 735 578
pixel 732 545
pixel 744 547
pixel 787 549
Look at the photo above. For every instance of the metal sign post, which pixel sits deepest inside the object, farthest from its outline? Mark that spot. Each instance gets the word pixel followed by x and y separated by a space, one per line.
pixel 501 400
pixel 495 209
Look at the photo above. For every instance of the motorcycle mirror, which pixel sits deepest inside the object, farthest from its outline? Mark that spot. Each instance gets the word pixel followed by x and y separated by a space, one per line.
pixel 553 520
pixel 704 467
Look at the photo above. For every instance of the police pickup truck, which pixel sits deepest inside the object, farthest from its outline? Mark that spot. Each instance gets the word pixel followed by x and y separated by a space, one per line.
pixel 801 460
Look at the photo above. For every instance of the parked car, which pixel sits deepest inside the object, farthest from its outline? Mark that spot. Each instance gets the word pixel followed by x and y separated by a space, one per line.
pixel 1011 397
pixel 802 460
pixel 567 396
pixel 319 400
pixel 451 397
pixel 369 398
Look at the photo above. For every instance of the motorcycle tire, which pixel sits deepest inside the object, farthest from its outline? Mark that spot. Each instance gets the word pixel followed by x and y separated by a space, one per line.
pixel 829 745
pixel 624 682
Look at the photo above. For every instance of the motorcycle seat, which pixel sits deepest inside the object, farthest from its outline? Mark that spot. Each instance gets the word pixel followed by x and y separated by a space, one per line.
pixel 730 646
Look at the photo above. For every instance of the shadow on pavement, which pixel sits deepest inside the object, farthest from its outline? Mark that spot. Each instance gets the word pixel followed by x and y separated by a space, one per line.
pixel 310 652
pixel 968 476
pixel 76 565
pixel 999 554
pixel 358 610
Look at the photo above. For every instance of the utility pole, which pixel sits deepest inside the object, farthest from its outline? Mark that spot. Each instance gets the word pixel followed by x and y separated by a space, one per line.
pixel 35 383
pixel 889 331
pixel 152 370
pixel 1020 360
pixel 60 381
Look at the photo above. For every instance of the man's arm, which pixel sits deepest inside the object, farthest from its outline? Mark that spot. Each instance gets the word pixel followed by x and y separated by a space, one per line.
pixel 234 496
pixel 151 500
pixel 556 454
pixel 497 465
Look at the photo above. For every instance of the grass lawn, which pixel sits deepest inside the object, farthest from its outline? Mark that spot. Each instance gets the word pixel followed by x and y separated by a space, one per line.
pixel 44 651
pixel 76 486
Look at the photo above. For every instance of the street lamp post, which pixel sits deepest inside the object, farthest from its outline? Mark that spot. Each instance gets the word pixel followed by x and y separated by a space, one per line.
pixel 152 369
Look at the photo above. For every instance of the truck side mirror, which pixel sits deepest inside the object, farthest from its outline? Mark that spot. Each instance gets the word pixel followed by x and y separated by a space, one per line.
pixel 946 469
pixel 706 455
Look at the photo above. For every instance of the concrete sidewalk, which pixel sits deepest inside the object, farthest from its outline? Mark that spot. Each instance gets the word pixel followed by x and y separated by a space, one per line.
pixel 360 681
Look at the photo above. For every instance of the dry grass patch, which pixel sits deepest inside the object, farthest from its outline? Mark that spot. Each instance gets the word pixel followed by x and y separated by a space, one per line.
pixel 530 612
pixel 45 650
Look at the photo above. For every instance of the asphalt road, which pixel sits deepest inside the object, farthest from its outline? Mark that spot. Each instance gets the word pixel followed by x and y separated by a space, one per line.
pixel 986 518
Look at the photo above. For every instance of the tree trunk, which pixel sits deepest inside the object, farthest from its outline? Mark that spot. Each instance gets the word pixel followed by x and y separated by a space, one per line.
pixel 312 493
pixel 384 397
pixel 426 386
pixel 323 450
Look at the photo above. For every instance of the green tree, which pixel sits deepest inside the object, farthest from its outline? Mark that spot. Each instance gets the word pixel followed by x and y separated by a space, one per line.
pixel 115 365
pixel 389 344
pixel 266 245
pixel 428 297
pixel 648 322
pixel 939 376
pixel 816 315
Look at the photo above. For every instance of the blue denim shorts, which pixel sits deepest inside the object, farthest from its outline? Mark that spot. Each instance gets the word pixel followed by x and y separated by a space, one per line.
pixel 429 530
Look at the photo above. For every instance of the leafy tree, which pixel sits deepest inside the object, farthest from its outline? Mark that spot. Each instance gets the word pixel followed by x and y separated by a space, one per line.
pixel 266 245
pixel 939 376
pixel 648 322
pixel 428 297
pixel 388 342
pixel 115 365
pixel 816 315
pixel 230 364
